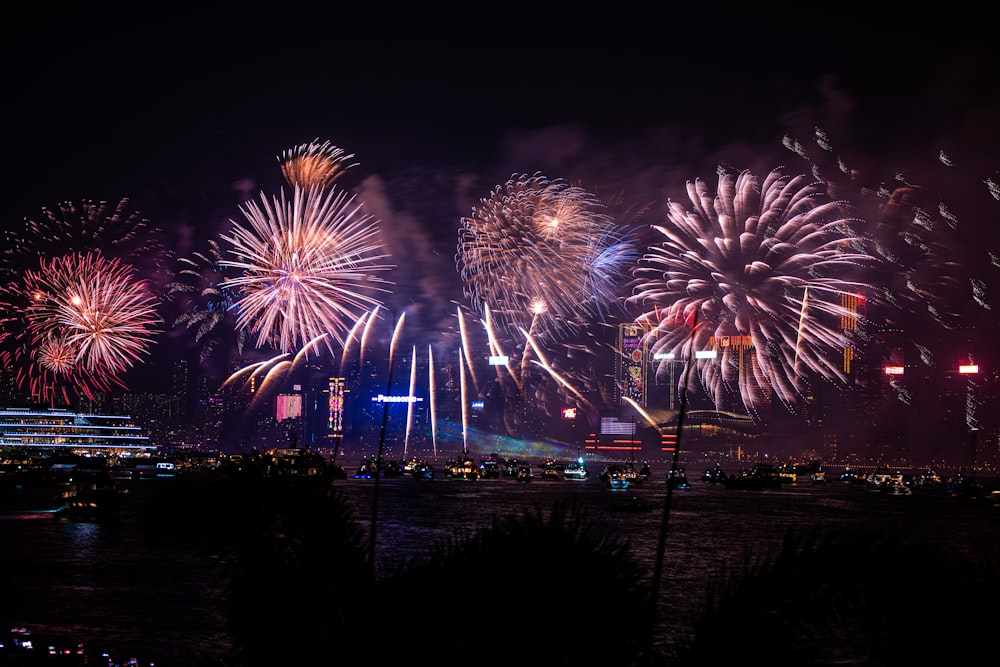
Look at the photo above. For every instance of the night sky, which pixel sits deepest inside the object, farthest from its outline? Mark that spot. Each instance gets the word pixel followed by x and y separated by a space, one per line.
pixel 186 112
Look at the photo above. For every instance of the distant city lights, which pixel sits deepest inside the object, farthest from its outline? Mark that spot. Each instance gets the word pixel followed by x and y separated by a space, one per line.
pixel 382 398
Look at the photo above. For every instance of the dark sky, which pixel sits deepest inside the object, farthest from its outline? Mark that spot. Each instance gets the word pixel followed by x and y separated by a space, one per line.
pixel 186 111
pixel 174 108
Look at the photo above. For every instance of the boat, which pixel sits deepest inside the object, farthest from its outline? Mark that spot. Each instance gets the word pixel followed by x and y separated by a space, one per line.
pixel 620 476
pixel 576 470
pixel 928 481
pixel 787 473
pixel 550 470
pixel 366 470
pixel 524 474
pixel 422 470
pixel 288 462
pixel 818 477
pixel 489 467
pixel 464 468
pixel 59 431
pixel 889 483
pixel 963 487
pixel 760 476
pixel 714 475
pixel 92 494
pixel 677 479
pixel 392 469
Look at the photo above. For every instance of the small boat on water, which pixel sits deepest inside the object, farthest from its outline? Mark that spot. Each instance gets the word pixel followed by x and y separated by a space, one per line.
pixel 366 470
pixel 714 475
pixel 422 470
pixel 576 470
pixel 524 474
pixel 464 468
pixel 964 488
pixel 490 467
pixel 677 479
pixel 891 484
pixel 620 476
pixel 760 476
pixel 550 470
pixel 92 494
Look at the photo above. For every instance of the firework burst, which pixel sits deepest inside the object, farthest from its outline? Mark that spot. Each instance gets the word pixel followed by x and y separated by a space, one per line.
pixel 116 230
pixel 94 306
pixel 912 231
pixel 543 256
pixel 764 270
pixel 207 307
pixel 74 325
pixel 306 267
pixel 544 265
pixel 314 164
pixel 48 364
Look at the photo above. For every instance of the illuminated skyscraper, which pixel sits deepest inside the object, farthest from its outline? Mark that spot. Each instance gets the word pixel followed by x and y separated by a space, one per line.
pixel 335 412
pixel 631 369
pixel 854 307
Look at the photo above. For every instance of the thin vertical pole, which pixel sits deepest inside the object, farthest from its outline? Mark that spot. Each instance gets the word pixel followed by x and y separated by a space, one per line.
pixel 661 543
pixel 381 449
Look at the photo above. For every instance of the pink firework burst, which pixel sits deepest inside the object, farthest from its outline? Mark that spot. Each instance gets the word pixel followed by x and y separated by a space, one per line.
pixel 306 267
pixel 94 306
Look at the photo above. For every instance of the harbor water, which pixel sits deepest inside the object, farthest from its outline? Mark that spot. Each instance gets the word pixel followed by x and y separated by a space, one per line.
pixel 98 583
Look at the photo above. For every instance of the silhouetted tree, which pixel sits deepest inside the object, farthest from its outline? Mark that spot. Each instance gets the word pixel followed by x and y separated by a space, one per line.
pixel 851 596
pixel 291 558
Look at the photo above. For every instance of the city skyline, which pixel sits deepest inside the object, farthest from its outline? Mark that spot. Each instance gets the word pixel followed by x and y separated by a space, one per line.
pixel 451 152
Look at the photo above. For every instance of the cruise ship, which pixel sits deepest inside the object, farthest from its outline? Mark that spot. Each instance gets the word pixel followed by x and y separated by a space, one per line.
pixel 57 430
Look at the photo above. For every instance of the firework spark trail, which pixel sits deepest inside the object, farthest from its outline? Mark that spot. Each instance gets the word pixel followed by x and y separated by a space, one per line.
pixel 739 260
pixel 463 334
pixel 272 378
pixel 543 363
pixel 465 401
pixel 353 336
pixel 496 349
pixel 314 164
pixel 251 369
pixel 432 393
pixel 802 324
pixel 306 267
pixel 409 406
pixel 366 334
pixel 645 415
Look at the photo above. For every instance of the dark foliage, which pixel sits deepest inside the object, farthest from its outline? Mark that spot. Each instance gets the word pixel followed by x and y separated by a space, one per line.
pixel 527 590
pixel 292 561
pixel 851 597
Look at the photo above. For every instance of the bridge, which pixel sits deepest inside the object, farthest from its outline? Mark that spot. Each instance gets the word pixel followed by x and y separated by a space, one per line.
pixel 723 418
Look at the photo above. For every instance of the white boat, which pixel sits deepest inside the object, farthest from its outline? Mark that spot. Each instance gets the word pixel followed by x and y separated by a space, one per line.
pixel 576 470
pixel 890 484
